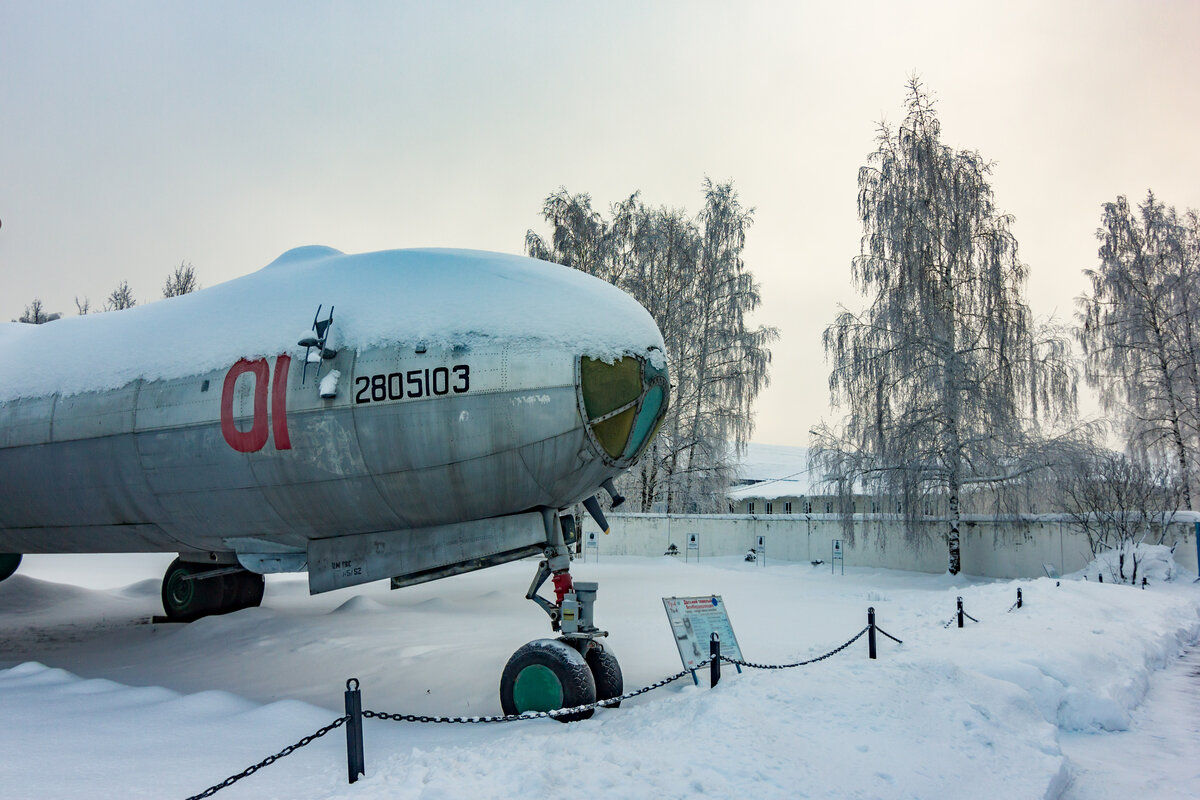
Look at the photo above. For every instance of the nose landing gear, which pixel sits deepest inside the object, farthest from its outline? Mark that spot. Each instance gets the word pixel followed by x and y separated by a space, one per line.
pixel 574 670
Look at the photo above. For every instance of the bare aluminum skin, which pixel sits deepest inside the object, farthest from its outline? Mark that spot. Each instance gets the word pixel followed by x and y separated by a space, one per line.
pixel 147 467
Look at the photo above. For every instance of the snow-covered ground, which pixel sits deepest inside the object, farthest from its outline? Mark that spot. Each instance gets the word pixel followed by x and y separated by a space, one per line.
pixel 1157 756
pixel 96 702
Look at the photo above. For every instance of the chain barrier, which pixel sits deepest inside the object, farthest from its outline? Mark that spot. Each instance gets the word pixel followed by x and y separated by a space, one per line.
pixel 562 712
pixel 1020 602
pixel 354 716
pixel 959 615
pixel 832 652
pixel 558 712
pixel 269 760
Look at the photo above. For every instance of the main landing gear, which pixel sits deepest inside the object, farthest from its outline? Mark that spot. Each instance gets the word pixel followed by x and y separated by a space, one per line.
pixel 577 669
pixel 191 590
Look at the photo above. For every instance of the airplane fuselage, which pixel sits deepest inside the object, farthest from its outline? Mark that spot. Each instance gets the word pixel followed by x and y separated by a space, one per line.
pixel 249 460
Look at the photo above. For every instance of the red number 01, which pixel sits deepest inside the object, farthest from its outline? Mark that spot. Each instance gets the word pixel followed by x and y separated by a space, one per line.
pixel 253 440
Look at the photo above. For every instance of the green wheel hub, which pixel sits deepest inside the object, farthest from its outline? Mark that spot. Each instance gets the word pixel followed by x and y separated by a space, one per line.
pixel 546 675
pixel 181 592
pixel 537 688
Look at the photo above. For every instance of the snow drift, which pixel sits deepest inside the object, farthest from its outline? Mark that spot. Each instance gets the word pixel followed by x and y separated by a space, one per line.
pixel 950 713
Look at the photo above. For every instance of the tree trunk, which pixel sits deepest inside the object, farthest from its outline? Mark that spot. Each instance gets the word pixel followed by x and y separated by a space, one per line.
pixel 954 566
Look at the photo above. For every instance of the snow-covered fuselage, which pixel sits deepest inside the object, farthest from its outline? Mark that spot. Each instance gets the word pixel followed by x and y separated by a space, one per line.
pixel 487 400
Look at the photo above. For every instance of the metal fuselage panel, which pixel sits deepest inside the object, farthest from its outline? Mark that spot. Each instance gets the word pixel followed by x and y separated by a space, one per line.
pixel 412 439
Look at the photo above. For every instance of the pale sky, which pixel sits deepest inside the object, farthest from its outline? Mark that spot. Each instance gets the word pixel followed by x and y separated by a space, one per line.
pixel 137 135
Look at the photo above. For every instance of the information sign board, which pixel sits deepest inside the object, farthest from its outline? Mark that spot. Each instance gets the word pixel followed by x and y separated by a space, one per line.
pixel 837 556
pixel 693 621
pixel 761 550
pixel 692 544
pixel 591 542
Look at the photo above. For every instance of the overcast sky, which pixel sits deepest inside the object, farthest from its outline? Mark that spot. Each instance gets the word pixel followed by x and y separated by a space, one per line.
pixel 134 136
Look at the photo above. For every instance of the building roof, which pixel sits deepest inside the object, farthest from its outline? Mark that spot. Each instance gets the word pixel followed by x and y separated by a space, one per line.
pixel 774 470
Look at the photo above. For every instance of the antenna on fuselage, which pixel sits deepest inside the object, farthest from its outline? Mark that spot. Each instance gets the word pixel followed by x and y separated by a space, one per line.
pixel 617 499
pixel 321 328
pixel 593 508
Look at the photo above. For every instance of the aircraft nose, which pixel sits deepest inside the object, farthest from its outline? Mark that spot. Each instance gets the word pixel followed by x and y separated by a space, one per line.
pixel 624 402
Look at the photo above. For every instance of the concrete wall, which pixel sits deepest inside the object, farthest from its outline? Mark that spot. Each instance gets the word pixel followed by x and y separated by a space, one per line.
pixel 1013 548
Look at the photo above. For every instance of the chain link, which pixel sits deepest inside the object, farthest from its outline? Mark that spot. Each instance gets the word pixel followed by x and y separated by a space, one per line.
pixel 269 760
pixel 885 633
pixel 832 652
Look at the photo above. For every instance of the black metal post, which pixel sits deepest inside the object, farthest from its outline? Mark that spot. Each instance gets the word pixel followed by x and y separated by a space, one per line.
pixel 355 758
pixel 714 654
pixel 960 613
pixel 1019 600
pixel 871 632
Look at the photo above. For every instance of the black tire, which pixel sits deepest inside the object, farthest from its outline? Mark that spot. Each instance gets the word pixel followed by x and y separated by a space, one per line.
pixel 606 672
pixel 189 600
pixel 8 564
pixel 544 675
pixel 253 587
pixel 242 590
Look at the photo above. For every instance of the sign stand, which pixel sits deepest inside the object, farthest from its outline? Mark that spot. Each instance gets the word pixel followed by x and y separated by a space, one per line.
pixel 592 543
pixel 694 621
pixel 762 550
pixel 693 544
pixel 837 557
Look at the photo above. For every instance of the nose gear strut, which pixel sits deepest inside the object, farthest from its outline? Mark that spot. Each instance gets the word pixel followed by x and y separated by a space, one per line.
pixel 571 613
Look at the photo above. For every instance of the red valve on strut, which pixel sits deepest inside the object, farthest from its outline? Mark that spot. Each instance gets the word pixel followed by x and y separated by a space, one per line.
pixel 562 585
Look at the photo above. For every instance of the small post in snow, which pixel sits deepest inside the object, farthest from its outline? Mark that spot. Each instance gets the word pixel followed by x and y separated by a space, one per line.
pixel 714 654
pixel 355 759
pixel 960 613
pixel 871 632
pixel 1019 600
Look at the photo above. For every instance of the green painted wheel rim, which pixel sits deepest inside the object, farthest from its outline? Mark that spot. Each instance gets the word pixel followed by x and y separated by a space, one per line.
pixel 537 688
pixel 180 592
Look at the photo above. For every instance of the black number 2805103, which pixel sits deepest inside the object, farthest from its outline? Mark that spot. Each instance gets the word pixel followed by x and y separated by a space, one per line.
pixel 412 384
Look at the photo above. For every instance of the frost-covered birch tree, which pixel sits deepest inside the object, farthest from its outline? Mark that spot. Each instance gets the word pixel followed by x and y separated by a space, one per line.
pixel 690 274
pixel 1117 501
pixel 1140 330
pixel 945 375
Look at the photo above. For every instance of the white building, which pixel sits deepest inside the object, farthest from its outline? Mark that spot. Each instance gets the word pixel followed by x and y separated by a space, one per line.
pixel 775 479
